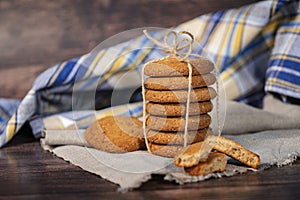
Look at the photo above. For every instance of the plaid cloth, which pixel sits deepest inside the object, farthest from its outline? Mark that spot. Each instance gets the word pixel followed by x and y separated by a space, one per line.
pixel 256 48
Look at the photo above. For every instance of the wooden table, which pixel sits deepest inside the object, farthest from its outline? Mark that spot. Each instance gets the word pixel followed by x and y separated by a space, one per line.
pixel 38 34
pixel 28 172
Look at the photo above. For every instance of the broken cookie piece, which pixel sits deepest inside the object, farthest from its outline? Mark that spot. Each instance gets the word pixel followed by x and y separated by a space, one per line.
pixel 216 162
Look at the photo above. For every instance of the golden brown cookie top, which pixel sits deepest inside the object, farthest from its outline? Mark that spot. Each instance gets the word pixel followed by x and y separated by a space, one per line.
pixel 178 109
pixel 178 123
pixel 192 155
pixel 181 82
pixel 116 134
pixel 216 162
pixel 164 150
pixel 176 96
pixel 176 138
pixel 234 150
pixel 170 66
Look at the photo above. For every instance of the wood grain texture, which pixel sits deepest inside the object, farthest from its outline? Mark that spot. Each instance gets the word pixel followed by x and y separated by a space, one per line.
pixel 28 172
pixel 38 34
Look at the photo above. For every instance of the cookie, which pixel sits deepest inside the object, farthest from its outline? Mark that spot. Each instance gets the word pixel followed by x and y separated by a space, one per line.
pixel 177 123
pixel 174 67
pixel 165 150
pixel 216 162
pixel 176 138
pixel 199 94
pixel 234 150
pixel 116 134
pixel 175 83
pixel 192 155
pixel 177 109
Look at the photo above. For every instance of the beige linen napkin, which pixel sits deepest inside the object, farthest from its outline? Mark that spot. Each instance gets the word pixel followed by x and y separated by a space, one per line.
pixel 273 133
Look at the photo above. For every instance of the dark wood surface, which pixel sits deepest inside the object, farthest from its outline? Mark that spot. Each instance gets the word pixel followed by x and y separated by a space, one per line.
pixel 37 34
pixel 28 172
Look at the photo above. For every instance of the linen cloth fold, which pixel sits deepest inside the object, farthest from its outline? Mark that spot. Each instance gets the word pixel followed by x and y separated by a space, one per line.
pixel 256 48
pixel 275 144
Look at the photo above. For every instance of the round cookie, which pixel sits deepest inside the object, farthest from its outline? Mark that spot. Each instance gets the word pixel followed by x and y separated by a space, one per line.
pixel 177 123
pixel 177 138
pixel 178 109
pixel 179 82
pixel 116 134
pixel 173 67
pixel 199 94
pixel 165 150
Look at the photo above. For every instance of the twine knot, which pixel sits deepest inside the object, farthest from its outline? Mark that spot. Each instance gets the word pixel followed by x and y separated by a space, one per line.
pixel 177 45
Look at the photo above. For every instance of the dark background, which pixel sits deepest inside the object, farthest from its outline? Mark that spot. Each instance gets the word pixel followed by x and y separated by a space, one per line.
pixel 36 34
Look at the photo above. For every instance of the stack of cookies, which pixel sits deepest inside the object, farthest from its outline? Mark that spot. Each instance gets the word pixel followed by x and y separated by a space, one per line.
pixel 166 93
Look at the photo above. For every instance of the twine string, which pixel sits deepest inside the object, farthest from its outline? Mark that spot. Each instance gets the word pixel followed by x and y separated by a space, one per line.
pixel 177 46
pixel 145 130
pixel 176 49
pixel 187 107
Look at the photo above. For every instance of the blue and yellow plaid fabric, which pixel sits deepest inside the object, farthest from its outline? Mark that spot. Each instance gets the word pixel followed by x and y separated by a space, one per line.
pixel 256 48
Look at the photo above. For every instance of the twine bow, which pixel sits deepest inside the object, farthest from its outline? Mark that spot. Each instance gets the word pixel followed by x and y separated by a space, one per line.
pixel 176 49
pixel 178 44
